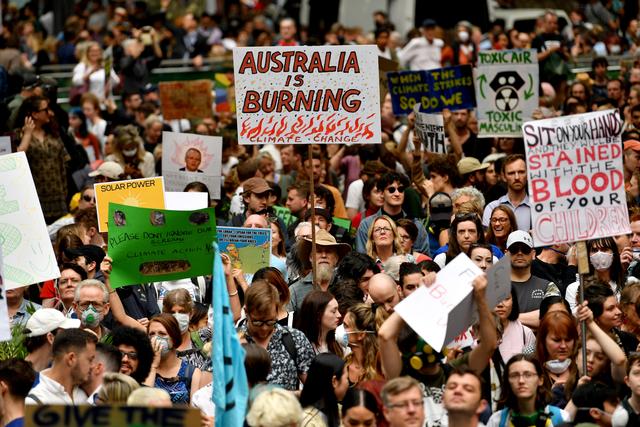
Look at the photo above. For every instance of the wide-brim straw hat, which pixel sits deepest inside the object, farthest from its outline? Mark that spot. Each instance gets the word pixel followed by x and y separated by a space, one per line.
pixel 323 238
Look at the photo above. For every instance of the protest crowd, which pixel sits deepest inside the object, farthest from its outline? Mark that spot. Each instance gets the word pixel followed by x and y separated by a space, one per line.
pixel 328 332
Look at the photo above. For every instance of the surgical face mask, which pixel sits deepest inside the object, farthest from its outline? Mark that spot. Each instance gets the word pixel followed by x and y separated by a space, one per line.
pixel 130 153
pixel 601 260
pixel 164 345
pixel 557 367
pixel 342 337
pixel 183 321
pixel 463 36
pixel 90 317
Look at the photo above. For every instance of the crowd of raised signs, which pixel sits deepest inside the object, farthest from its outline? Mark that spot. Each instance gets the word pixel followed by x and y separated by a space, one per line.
pixel 323 343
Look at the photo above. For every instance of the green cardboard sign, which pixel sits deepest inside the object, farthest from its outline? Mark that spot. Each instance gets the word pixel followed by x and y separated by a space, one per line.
pixel 153 245
pixel 285 215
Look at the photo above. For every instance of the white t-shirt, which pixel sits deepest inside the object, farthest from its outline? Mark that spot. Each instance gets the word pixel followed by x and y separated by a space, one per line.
pixel 354 196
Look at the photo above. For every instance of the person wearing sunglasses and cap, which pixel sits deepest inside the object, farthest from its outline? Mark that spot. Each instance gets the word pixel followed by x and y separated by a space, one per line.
pixel 529 289
pixel 392 185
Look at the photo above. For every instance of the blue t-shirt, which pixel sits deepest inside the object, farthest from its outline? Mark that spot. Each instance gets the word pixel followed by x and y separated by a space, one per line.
pixel 18 422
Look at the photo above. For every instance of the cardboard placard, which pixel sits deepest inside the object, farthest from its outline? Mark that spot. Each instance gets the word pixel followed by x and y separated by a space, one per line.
pixel 248 248
pixel 26 246
pixel 188 157
pixel 576 184
pixel 430 130
pixel 144 193
pixel 384 66
pixel 5 331
pixel 433 90
pixel 307 94
pixel 186 99
pixel 106 416
pixel 180 201
pixel 155 245
pixel 225 93
pixel 506 91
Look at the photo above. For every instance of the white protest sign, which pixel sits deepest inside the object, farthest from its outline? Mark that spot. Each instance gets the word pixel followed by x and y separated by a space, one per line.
pixel 448 302
pixel 5 331
pixel 307 94
pixel 506 91
pixel 26 247
pixel 5 145
pixel 430 130
pixel 180 201
pixel 188 157
pixel 576 184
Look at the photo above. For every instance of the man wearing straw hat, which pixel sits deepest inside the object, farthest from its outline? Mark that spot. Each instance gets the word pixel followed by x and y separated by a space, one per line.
pixel 328 253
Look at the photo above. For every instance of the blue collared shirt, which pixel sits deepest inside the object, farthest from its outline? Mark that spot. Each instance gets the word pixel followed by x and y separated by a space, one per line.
pixel 522 212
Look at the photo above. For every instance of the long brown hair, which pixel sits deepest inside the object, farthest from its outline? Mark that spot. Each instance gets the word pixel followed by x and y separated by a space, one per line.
pixel 491 238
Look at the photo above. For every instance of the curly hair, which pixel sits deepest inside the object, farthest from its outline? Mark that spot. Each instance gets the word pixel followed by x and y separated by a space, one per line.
pixel 125 335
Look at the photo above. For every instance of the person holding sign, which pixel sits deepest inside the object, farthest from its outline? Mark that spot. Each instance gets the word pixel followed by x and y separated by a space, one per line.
pixel 412 356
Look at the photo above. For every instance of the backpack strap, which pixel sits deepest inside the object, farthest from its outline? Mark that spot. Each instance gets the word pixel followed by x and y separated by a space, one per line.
pixel 287 340
pixel 34 398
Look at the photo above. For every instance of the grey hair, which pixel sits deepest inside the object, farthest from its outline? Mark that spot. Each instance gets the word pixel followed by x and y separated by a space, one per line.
pixel 88 283
pixel 472 192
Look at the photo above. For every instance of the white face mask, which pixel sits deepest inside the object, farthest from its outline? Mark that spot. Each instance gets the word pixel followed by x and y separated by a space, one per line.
pixel 183 321
pixel 556 366
pixel 601 260
pixel 130 153
pixel 463 36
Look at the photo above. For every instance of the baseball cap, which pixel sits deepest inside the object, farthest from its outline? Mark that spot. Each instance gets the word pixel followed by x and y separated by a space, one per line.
pixel 519 236
pixel 256 185
pixel 440 207
pixel 90 252
pixel 470 164
pixel 428 23
pixel 111 170
pixel 493 157
pixel 632 144
pixel 46 320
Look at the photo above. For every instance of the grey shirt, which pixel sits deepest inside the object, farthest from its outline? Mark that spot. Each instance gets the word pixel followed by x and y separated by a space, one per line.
pixel 530 293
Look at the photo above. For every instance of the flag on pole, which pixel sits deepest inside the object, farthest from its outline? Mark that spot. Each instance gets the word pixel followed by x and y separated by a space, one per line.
pixel 230 387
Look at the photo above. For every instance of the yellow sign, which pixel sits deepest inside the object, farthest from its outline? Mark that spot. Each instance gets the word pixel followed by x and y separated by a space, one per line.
pixel 142 193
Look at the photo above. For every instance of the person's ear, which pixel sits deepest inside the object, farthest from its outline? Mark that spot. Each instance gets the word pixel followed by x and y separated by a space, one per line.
pixel 595 414
pixel 334 382
pixel 481 407
pixel 329 226
pixel 50 338
pixel 70 358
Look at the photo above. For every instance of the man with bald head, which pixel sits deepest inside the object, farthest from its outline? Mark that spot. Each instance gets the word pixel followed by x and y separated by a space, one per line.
pixel 384 291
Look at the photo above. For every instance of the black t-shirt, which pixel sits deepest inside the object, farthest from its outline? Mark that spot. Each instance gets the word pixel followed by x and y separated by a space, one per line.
pixel 561 274
pixel 530 293
pixel 478 148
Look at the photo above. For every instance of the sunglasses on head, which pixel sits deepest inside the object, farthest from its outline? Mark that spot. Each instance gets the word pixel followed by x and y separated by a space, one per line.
pixel 520 247
pixel 392 190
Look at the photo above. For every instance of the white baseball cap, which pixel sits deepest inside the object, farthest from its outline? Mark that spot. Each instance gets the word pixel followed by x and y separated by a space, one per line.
pixel 46 320
pixel 519 236
pixel 111 170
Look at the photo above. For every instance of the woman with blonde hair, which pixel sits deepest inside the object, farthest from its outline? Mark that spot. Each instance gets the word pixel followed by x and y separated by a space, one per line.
pixel 383 239
pixel 116 388
pixel 89 74
pixel 128 151
pixel 363 363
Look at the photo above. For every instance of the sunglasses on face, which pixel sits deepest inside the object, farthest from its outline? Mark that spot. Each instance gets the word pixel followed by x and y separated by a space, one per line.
pixel 392 190
pixel 524 249
pixel 88 198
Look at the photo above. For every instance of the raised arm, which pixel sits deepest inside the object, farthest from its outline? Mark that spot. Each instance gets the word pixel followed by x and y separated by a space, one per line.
pixel 388 342
pixel 488 338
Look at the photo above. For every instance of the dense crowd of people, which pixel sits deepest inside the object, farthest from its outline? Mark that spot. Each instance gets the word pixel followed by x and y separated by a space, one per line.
pixel 324 345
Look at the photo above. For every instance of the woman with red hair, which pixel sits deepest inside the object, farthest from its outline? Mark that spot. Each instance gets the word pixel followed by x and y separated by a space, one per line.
pixel 556 348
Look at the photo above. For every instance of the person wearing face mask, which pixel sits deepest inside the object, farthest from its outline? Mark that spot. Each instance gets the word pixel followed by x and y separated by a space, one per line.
pixel 168 372
pixel 91 304
pixel 359 337
pixel 463 50
pixel 604 264
pixel 179 304
pixel 128 151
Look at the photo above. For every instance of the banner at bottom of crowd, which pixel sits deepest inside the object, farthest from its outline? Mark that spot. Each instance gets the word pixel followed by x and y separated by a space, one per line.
pixel 154 245
pixel 576 183
pixel 107 416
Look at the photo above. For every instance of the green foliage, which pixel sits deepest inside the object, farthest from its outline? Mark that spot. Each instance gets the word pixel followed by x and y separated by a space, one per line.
pixel 15 347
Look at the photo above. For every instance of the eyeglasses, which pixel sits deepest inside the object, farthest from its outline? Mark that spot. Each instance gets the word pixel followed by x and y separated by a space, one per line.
pixel 518 247
pixel 392 190
pixel 379 230
pixel 514 376
pixel 499 220
pixel 88 198
pixel 86 304
pixel 261 323
pixel 418 403
pixel 132 355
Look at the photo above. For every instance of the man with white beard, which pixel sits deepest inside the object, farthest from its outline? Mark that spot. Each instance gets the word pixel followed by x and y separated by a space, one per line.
pixel 328 253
